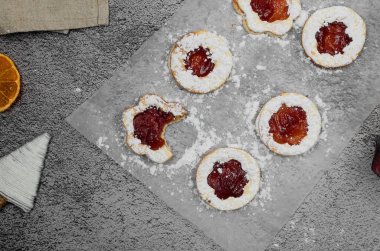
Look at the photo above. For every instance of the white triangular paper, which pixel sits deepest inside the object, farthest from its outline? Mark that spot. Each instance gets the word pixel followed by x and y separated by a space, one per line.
pixel 20 172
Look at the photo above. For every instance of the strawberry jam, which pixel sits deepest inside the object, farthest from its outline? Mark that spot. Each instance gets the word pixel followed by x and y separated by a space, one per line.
pixel 149 126
pixel 270 10
pixel 288 125
pixel 332 38
pixel 199 61
pixel 227 179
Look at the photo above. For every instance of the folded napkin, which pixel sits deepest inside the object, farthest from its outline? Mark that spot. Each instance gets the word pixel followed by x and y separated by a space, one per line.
pixel 20 173
pixel 51 15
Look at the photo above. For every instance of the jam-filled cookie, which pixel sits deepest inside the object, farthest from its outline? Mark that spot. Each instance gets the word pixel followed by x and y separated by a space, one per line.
pixel 201 61
pixel 146 123
pixel 334 36
pixel 268 16
pixel 228 178
pixel 289 124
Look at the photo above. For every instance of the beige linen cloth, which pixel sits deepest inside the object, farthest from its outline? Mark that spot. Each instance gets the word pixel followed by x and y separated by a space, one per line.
pixel 51 15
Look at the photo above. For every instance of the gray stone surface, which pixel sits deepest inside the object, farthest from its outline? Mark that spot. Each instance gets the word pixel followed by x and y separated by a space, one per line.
pixel 87 202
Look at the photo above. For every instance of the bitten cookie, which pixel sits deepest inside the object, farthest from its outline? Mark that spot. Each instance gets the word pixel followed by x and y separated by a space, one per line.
pixel 289 124
pixel 334 36
pixel 262 16
pixel 146 123
pixel 228 178
pixel 201 61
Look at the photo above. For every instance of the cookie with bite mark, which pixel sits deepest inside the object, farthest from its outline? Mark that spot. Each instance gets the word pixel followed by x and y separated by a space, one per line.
pixel 146 123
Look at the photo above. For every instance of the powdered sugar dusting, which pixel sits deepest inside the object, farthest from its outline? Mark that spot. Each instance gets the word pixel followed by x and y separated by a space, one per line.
pixel 236 80
pixel 205 141
pixel 261 67
pixel 301 20
pixel 283 42
pixel 325 108
pixel 101 143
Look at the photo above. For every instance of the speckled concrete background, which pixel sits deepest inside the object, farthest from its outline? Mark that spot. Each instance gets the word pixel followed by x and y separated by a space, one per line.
pixel 87 202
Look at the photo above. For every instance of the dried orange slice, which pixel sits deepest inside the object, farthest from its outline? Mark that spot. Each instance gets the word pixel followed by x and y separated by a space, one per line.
pixel 9 82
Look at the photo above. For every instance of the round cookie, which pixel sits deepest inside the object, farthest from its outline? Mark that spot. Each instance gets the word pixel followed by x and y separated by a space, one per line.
pixel 201 61
pixel 300 103
pixel 253 23
pixel 145 102
pixel 351 36
pixel 220 157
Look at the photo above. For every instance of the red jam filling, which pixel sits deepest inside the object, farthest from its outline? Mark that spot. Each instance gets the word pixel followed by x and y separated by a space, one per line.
pixel 199 62
pixel 227 179
pixel 332 38
pixel 288 125
pixel 149 125
pixel 270 10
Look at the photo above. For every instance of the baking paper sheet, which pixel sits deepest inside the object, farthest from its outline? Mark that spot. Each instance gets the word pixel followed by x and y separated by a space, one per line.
pixel 263 68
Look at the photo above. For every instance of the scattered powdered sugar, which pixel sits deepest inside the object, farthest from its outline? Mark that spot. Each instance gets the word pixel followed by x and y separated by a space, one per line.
pixel 276 245
pixel 242 44
pixel 261 67
pixel 325 107
pixel 264 194
pixel 267 90
pixel 235 79
pixel 282 41
pixel 171 38
pixel 239 28
pixel 100 143
pixel 153 170
pixel 250 111
pixel 323 71
pixel 258 36
pixel 301 20
pixel 205 141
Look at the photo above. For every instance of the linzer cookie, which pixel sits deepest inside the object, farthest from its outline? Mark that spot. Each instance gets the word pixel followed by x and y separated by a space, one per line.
pixel 334 37
pixel 228 178
pixel 289 124
pixel 146 124
pixel 268 16
pixel 201 61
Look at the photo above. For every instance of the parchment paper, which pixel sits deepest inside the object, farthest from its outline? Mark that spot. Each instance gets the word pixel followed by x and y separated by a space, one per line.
pixel 264 67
